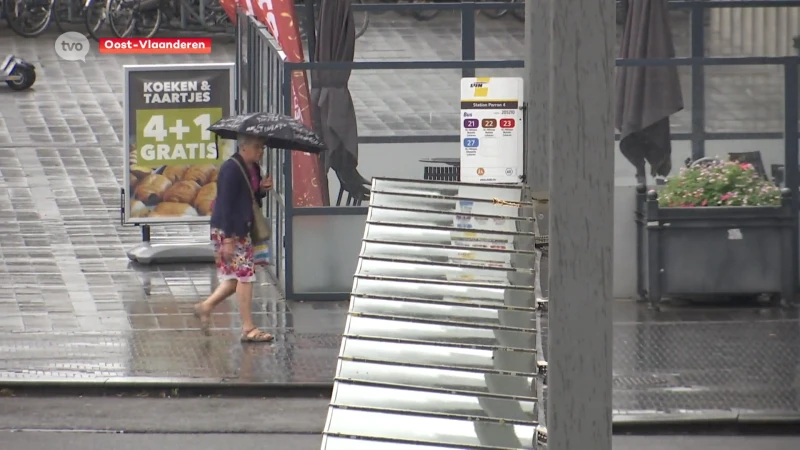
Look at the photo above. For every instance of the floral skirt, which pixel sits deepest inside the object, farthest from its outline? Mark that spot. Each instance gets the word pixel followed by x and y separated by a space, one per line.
pixel 241 266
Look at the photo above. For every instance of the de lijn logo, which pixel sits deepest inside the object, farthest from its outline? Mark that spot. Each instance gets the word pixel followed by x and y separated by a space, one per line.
pixel 72 46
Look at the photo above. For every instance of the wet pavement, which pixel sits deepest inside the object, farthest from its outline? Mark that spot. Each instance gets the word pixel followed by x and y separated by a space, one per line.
pixel 72 307
pixel 704 359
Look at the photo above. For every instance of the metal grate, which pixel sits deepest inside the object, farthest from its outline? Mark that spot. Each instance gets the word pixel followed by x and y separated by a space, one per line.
pixel 437 173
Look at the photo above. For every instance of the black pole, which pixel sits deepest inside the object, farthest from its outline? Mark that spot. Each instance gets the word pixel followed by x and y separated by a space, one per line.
pixel 468 36
pixel 145 233
pixel 791 163
pixel 698 27
pixel 311 30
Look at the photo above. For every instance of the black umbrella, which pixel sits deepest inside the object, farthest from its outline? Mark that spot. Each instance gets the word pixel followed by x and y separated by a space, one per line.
pixel 335 112
pixel 647 96
pixel 277 131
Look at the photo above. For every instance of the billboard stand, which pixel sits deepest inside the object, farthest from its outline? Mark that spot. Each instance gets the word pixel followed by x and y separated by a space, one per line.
pixel 171 172
pixel 149 253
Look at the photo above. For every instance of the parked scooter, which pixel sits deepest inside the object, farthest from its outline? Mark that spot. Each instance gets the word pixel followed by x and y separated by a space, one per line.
pixel 17 73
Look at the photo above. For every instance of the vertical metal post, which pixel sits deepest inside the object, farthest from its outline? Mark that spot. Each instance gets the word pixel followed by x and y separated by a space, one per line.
pixel 581 224
pixel 184 18
pixel 145 233
pixel 311 29
pixel 253 39
pixel 286 95
pixel 792 166
pixel 468 36
pixel 238 67
pixel 698 40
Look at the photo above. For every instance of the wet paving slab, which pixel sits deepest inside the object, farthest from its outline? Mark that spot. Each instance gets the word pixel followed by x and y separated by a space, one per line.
pixel 703 359
pixel 97 332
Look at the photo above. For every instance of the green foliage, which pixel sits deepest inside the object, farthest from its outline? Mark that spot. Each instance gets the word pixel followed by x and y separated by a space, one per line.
pixel 719 183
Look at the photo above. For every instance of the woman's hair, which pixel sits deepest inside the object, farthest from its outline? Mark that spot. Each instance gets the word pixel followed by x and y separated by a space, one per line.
pixel 244 139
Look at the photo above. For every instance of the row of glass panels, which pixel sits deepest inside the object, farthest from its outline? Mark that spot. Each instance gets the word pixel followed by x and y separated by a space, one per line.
pixel 439 346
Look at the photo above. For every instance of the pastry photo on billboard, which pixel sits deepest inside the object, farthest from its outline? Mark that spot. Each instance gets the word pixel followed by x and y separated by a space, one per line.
pixel 172 191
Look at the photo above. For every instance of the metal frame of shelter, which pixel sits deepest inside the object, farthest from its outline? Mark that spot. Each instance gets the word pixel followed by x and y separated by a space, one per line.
pixel 265 84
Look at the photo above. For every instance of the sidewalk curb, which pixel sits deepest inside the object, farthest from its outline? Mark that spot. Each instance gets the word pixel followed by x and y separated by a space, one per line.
pixel 708 423
pixel 161 387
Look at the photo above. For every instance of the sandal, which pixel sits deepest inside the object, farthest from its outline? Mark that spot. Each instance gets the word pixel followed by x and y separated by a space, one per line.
pixel 256 335
pixel 205 319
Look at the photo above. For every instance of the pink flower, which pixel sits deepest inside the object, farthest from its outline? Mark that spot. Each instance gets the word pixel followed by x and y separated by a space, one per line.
pixel 726 196
pixel 704 202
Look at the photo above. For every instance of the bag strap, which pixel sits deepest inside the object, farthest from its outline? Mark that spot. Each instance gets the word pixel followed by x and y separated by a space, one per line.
pixel 247 179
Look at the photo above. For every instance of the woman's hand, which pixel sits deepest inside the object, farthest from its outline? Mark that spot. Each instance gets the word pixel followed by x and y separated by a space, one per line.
pixel 227 249
pixel 266 183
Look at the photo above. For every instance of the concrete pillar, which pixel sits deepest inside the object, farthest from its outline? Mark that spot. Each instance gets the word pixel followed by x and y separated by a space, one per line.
pixel 537 91
pixel 537 137
pixel 581 224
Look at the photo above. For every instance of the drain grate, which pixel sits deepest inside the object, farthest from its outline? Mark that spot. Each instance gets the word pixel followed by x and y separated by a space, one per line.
pixel 641 381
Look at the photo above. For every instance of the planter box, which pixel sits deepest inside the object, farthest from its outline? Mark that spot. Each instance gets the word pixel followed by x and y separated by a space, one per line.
pixel 739 250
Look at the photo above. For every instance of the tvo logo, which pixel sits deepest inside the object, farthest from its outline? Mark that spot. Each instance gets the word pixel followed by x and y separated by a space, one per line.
pixel 72 46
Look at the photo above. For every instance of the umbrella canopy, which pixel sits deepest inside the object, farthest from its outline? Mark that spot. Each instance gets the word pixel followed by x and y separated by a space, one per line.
pixel 336 115
pixel 278 131
pixel 647 96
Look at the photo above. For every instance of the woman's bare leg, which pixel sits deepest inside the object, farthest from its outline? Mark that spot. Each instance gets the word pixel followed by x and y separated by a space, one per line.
pixel 250 332
pixel 244 295
pixel 203 309
pixel 223 291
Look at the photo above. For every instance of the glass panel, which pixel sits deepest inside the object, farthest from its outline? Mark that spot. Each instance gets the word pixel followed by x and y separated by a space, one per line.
pixel 744 98
pixel 406 102
pixel 343 443
pixel 453 431
pixel 404 399
pixel 499 39
pixel 680 24
pixel 325 252
pixel 396 35
pixel 752 31
pixel 400 160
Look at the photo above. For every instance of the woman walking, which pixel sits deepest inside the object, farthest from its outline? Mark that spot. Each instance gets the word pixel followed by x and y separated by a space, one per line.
pixel 231 222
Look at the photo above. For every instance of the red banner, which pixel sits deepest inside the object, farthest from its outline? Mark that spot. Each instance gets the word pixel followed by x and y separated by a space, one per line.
pixel 280 18
pixel 229 6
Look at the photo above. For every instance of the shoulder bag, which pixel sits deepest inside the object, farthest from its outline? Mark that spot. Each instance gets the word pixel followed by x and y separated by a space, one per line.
pixel 260 230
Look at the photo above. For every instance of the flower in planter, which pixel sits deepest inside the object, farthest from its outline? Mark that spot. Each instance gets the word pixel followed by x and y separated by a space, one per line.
pixel 719 183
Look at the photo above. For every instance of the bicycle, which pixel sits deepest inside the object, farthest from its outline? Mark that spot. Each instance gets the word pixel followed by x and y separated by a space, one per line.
pixel 518 14
pixel 28 18
pixel 380 2
pixel 497 13
pixel 70 12
pixel 143 18
pixel 94 17
pixel 422 15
